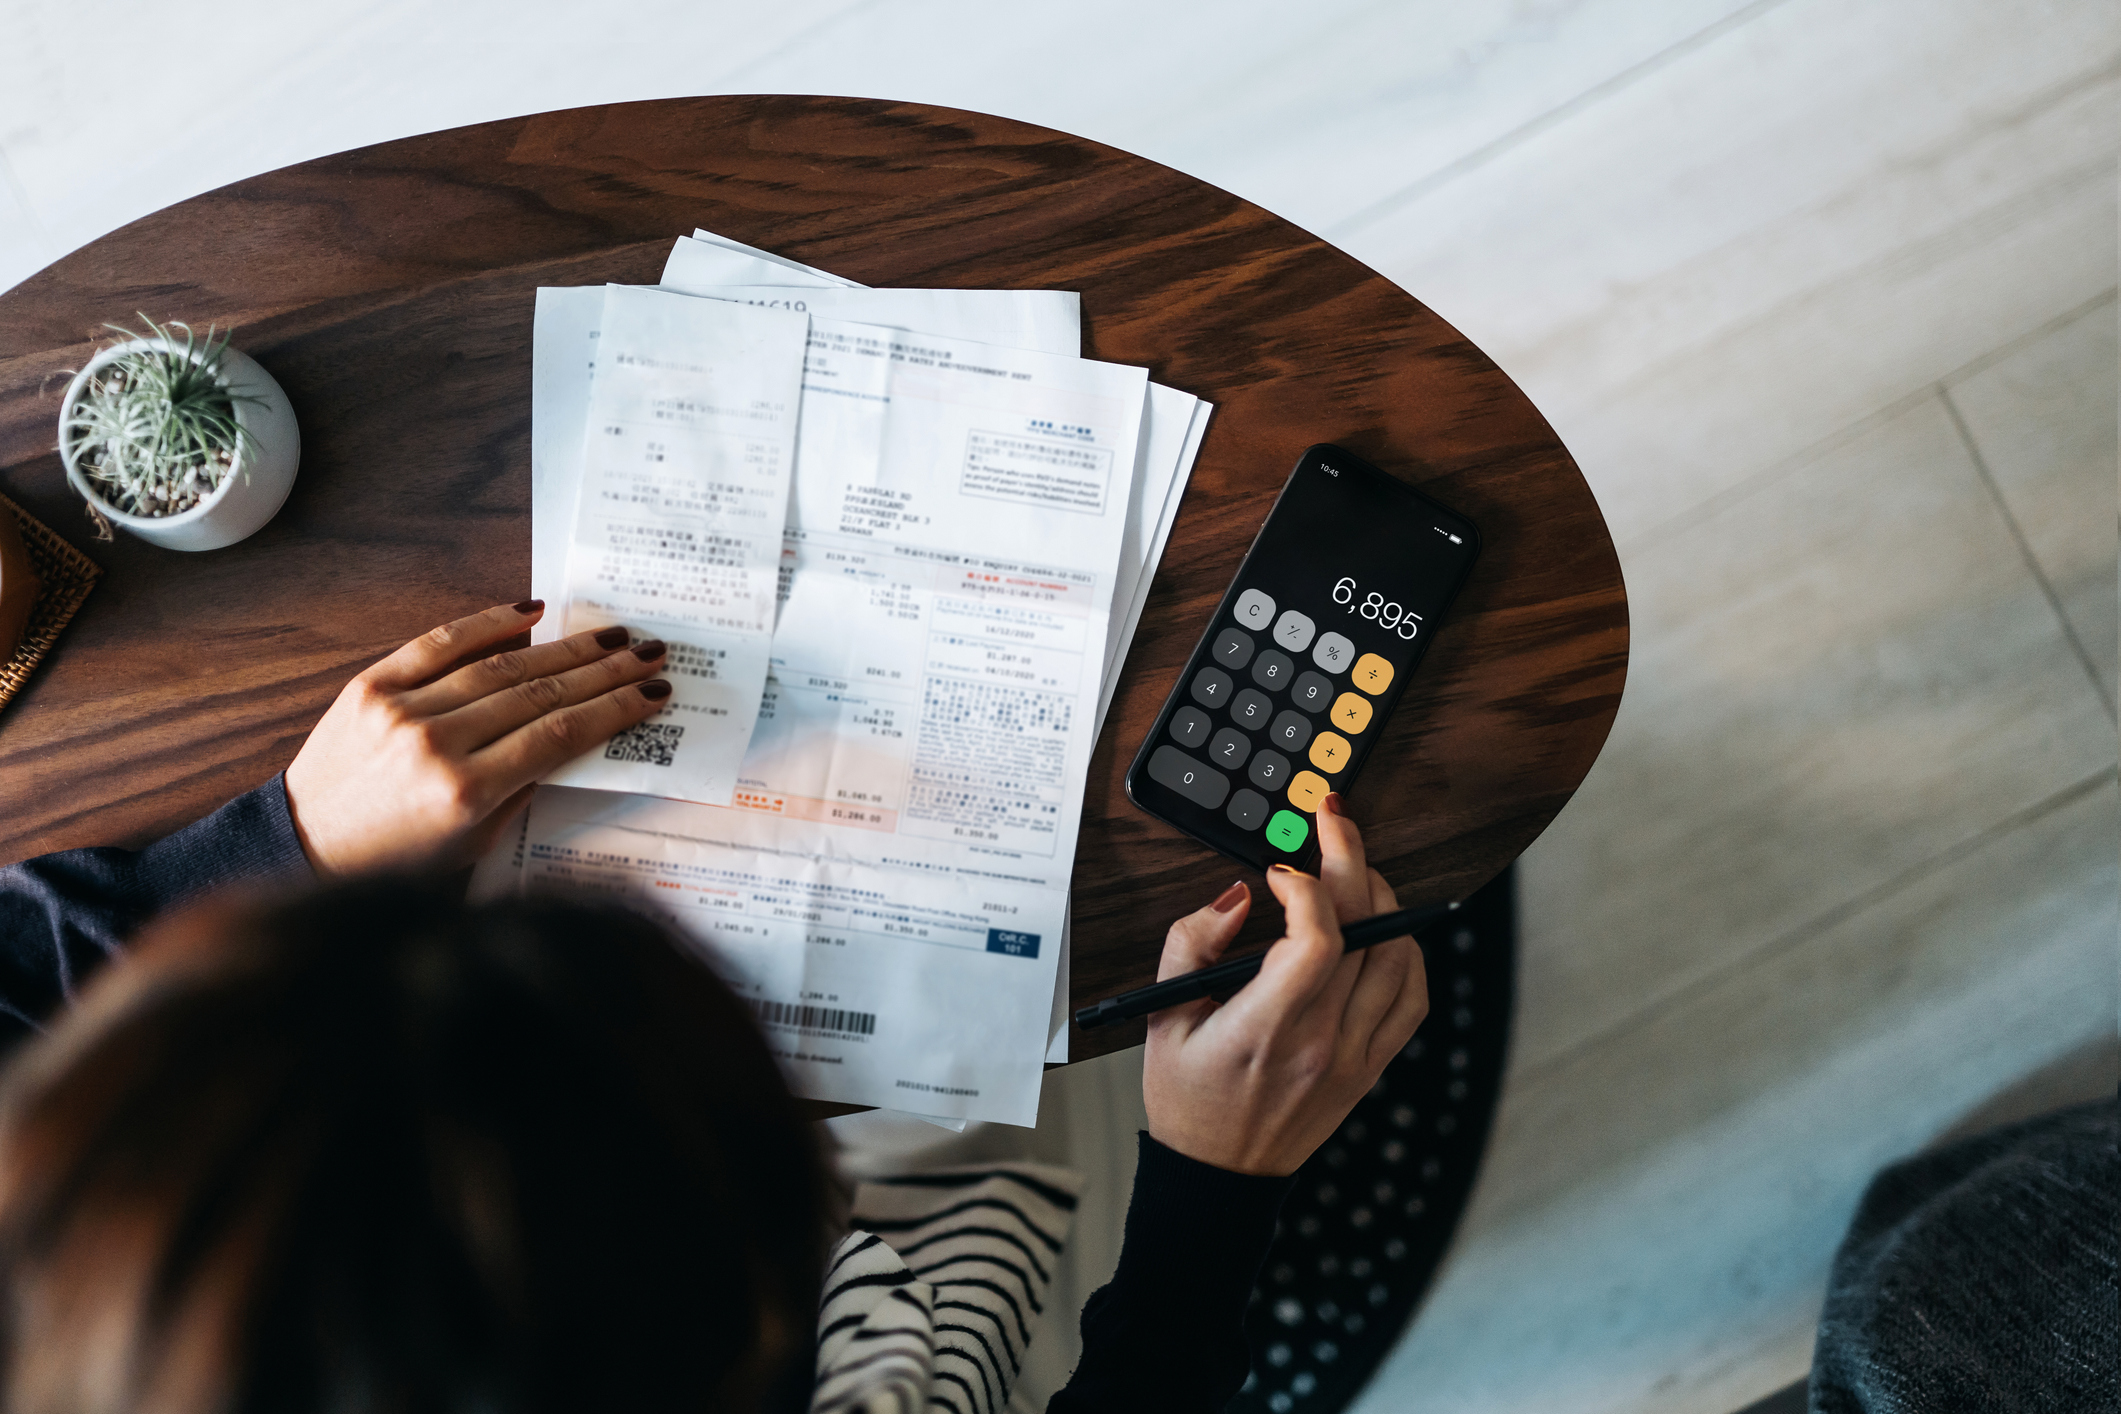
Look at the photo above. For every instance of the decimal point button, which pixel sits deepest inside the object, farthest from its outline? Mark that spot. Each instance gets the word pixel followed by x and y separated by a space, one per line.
pixel 1248 810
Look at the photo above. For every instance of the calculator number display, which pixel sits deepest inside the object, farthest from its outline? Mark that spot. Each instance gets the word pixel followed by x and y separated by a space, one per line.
pixel 1376 607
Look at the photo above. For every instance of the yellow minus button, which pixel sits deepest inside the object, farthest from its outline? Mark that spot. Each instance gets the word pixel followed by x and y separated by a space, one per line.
pixel 1308 790
pixel 1372 673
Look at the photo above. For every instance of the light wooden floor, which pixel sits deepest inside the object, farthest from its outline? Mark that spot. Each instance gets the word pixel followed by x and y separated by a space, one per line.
pixel 1822 295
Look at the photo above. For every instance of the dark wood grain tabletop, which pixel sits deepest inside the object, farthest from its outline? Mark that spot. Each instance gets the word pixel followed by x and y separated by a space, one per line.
pixel 389 290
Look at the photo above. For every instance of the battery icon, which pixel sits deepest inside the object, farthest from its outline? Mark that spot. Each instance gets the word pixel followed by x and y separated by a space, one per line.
pixel 1455 540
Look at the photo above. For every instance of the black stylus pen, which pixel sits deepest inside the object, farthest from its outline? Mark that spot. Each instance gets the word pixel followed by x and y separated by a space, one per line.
pixel 1226 977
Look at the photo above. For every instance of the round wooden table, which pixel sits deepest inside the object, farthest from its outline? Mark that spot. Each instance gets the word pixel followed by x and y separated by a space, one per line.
pixel 390 292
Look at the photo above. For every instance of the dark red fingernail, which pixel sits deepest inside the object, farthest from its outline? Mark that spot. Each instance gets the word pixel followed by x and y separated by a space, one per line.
pixel 655 691
pixel 650 651
pixel 611 638
pixel 1232 897
pixel 530 606
pixel 1331 804
pixel 1287 869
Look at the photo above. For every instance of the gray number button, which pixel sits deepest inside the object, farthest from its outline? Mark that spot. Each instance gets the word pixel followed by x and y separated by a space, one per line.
pixel 1291 731
pixel 1250 709
pixel 1230 748
pixel 1248 810
pixel 1254 609
pixel 1269 770
pixel 1211 687
pixel 1189 726
pixel 1172 768
pixel 1313 692
pixel 1273 671
pixel 1293 631
pixel 1333 653
pixel 1233 649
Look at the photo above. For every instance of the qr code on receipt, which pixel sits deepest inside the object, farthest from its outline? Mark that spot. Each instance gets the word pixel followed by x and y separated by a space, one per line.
pixel 650 743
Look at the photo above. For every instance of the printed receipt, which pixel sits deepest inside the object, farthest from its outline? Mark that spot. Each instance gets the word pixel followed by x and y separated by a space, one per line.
pixel 890 887
pixel 677 527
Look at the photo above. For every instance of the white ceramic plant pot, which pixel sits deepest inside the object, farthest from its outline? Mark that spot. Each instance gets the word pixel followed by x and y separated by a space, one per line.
pixel 255 487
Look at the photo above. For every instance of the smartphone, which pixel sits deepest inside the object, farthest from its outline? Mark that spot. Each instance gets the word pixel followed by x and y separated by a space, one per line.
pixel 1308 653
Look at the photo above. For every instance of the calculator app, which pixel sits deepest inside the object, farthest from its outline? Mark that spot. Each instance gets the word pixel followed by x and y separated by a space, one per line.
pixel 1305 658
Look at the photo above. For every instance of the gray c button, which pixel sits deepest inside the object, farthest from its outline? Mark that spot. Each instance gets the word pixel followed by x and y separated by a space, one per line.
pixel 1255 610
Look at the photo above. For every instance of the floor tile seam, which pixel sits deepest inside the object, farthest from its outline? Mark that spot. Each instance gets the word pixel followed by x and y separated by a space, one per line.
pixel 1968 231
pixel 1670 530
pixel 2025 550
pixel 1819 924
pixel 1341 230
pixel 1962 226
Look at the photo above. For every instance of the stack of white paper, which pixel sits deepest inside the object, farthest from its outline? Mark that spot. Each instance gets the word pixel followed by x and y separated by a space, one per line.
pixel 898 541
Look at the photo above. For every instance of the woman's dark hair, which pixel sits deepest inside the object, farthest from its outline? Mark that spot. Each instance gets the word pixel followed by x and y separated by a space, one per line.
pixel 378 1150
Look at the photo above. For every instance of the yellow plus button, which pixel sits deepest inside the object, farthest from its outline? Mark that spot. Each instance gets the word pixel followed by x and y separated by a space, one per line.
pixel 1351 713
pixel 1330 751
pixel 1372 673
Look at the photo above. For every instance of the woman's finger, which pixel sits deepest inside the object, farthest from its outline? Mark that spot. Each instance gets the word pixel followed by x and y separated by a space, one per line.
pixel 435 651
pixel 1346 879
pixel 1194 942
pixel 543 746
pixel 1340 861
pixel 505 671
pixel 1384 969
pixel 1299 967
pixel 489 719
pixel 1201 937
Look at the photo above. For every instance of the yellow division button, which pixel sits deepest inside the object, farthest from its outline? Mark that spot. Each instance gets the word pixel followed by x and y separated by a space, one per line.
pixel 1351 713
pixel 1330 751
pixel 1372 674
pixel 1307 790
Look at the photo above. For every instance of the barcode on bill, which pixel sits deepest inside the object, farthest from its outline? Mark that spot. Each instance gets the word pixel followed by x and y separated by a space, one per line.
pixel 814 1018
pixel 649 744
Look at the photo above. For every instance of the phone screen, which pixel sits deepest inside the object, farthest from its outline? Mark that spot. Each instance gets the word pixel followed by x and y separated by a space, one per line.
pixel 1304 660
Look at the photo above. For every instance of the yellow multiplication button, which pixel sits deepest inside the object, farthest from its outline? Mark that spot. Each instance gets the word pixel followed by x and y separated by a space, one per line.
pixel 1307 790
pixel 1351 713
pixel 1372 674
pixel 1330 751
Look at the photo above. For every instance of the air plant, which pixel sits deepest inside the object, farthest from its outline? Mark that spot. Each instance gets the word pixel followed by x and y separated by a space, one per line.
pixel 154 429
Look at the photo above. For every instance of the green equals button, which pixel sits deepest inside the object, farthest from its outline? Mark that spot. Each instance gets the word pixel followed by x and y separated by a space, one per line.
pixel 1287 831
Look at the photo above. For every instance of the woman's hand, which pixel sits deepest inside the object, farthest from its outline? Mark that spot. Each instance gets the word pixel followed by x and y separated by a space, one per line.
pixel 421 763
pixel 1256 1083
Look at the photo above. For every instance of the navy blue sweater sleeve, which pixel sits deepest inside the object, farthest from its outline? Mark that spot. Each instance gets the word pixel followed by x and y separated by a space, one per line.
pixel 1167 1332
pixel 62 916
